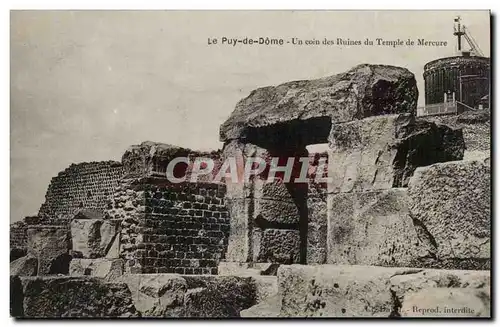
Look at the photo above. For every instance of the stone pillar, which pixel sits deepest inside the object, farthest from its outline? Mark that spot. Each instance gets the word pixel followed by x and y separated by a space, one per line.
pixel 266 217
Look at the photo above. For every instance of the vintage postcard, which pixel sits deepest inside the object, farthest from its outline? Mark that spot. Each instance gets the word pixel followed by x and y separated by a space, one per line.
pixel 253 164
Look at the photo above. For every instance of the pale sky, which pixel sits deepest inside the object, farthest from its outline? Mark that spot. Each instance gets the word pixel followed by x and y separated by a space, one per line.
pixel 85 85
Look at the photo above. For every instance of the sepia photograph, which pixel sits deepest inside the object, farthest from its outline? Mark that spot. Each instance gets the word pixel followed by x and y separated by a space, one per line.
pixel 177 164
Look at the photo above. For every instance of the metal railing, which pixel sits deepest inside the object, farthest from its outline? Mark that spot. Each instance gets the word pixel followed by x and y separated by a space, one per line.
pixel 445 108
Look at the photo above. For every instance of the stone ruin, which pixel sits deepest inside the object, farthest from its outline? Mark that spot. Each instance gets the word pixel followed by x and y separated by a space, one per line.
pixel 404 221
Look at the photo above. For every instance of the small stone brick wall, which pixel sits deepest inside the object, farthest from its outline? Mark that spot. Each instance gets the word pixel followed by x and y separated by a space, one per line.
pixel 84 185
pixel 171 228
pixel 186 228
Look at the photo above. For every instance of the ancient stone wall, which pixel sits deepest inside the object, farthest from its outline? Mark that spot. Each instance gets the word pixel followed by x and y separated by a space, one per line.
pixel 18 239
pixel 85 185
pixel 172 228
pixel 169 227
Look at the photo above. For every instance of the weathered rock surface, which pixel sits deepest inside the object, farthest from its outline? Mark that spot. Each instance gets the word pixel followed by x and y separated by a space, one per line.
pixel 445 293
pixel 373 228
pixel 277 245
pixel 108 269
pixel 383 152
pixel 95 238
pixel 452 203
pixel 77 297
pixel 50 245
pixel 363 91
pixel 24 266
pixel 170 295
pixel 367 291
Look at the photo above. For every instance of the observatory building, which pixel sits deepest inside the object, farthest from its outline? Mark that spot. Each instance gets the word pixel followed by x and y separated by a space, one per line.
pixel 459 83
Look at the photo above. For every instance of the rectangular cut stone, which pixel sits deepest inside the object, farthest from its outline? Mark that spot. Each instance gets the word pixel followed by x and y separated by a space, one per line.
pixel 316 229
pixel 93 238
pixel 362 153
pixel 383 152
pixel 373 228
pixel 238 248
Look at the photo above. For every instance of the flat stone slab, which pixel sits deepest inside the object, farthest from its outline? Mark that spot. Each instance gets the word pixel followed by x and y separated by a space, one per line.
pixel 369 291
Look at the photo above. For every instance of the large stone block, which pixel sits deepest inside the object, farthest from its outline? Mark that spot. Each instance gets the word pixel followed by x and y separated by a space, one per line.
pixel 74 297
pixel 50 245
pixel 368 291
pixel 109 269
pixel 363 91
pixel 24 266
pixel 383 152
pixel 95 238
pixel 374 228
pixel 451 201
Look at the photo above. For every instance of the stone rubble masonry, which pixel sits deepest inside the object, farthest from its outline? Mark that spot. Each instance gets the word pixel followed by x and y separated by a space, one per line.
pixel 171 228
pixel 452 203
pixel 368 291
pixel 87 185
